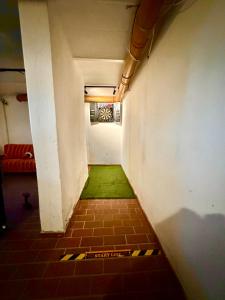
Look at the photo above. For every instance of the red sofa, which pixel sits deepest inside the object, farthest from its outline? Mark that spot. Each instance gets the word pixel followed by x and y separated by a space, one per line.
pixel 18 158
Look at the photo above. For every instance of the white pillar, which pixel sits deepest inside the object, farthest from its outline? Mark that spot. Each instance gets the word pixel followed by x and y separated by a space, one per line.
pixel 39 79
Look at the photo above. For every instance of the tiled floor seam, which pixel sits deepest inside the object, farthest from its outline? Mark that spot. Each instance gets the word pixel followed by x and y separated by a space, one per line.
pixel 24 290
pixel 125 272
pixel 47 263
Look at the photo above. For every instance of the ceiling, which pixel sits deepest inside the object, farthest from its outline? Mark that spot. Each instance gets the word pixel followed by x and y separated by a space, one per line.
pixel 98 33
pixel 11 55
pixel 100 72
pixel 97 28
pixel 10 38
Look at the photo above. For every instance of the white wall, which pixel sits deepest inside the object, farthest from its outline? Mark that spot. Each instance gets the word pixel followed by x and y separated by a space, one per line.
pixel 69 100
pixel 174 145
pixel 56 103
pixel 40 88
pixel 17 116
pixel 103 141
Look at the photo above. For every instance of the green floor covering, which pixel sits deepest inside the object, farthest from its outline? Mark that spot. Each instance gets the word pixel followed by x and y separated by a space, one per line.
pixel 107 182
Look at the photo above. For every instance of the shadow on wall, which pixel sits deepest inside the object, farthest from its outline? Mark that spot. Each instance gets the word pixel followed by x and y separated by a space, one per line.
pixel 197 252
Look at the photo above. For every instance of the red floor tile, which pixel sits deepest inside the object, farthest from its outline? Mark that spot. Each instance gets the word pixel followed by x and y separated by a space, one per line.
pixel 127 210
pixel 127 247
pixel 132 205
pixel 136 238
pixel 25 256
pixel 77 250
pixel 27 271
pixel 30 266
pixel 60 269
pixel 114 240
pixel 31 226
pixel 49 255
pixel 142 229
pixel 68 232
pixel 114 223
pixel 18 245
pixel 16 235
pixel 44 243
pixel 50 235
pixel 103 217
pixel 162 278
pixel 152 237
pixel 78 286
pixel 7 271
pixel 113 211
pixel 124 230
pixel 92 241
pixel 144 264
pixel 68 242
pixel 106 284
pixel 146 246
pixel 81 212
pixel 132 222
pixel 102 248
pixel 117 265
pixel 83 205
pixel 12 290
pixel 41 289
pixel 121 217
pixel 89 267
pixel 103 231
pixel 76 225
pixel 136 282
pixel 93 224
pixel 82 232
pixel 83 218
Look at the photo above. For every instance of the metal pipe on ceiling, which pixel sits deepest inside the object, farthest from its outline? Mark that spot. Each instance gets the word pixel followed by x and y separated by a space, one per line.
pixel 147 15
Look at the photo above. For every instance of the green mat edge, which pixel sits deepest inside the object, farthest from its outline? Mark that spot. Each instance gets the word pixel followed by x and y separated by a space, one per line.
pixel 88 198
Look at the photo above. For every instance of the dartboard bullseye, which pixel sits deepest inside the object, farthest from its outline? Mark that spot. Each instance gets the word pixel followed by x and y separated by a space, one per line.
pixel 105 114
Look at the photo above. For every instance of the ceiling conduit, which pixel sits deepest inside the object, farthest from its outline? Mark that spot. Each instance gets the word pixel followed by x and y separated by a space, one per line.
pixel 146 17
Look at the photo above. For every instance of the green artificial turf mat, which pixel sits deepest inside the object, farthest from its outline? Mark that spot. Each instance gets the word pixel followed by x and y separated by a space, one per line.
pixel 107 182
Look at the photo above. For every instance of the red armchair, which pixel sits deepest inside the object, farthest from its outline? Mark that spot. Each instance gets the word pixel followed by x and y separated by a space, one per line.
pixel 18 158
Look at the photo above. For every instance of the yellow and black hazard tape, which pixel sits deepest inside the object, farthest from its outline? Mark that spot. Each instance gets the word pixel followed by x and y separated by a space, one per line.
pixel 110 254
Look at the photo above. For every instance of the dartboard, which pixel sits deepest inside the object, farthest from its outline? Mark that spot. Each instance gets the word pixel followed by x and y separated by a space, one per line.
pixel 105 114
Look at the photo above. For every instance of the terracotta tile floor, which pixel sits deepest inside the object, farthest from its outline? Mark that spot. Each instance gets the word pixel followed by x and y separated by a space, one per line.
pixel 110 224
pixel 30 267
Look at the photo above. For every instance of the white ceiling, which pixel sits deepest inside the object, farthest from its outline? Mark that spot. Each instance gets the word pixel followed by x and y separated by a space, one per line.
pixel 10 49
pixel 98 33
pixel 100 71
pixel 97 28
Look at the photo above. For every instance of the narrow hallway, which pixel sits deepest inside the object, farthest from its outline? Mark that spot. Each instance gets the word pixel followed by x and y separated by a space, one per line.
pixel 137 84
pixel 38 266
